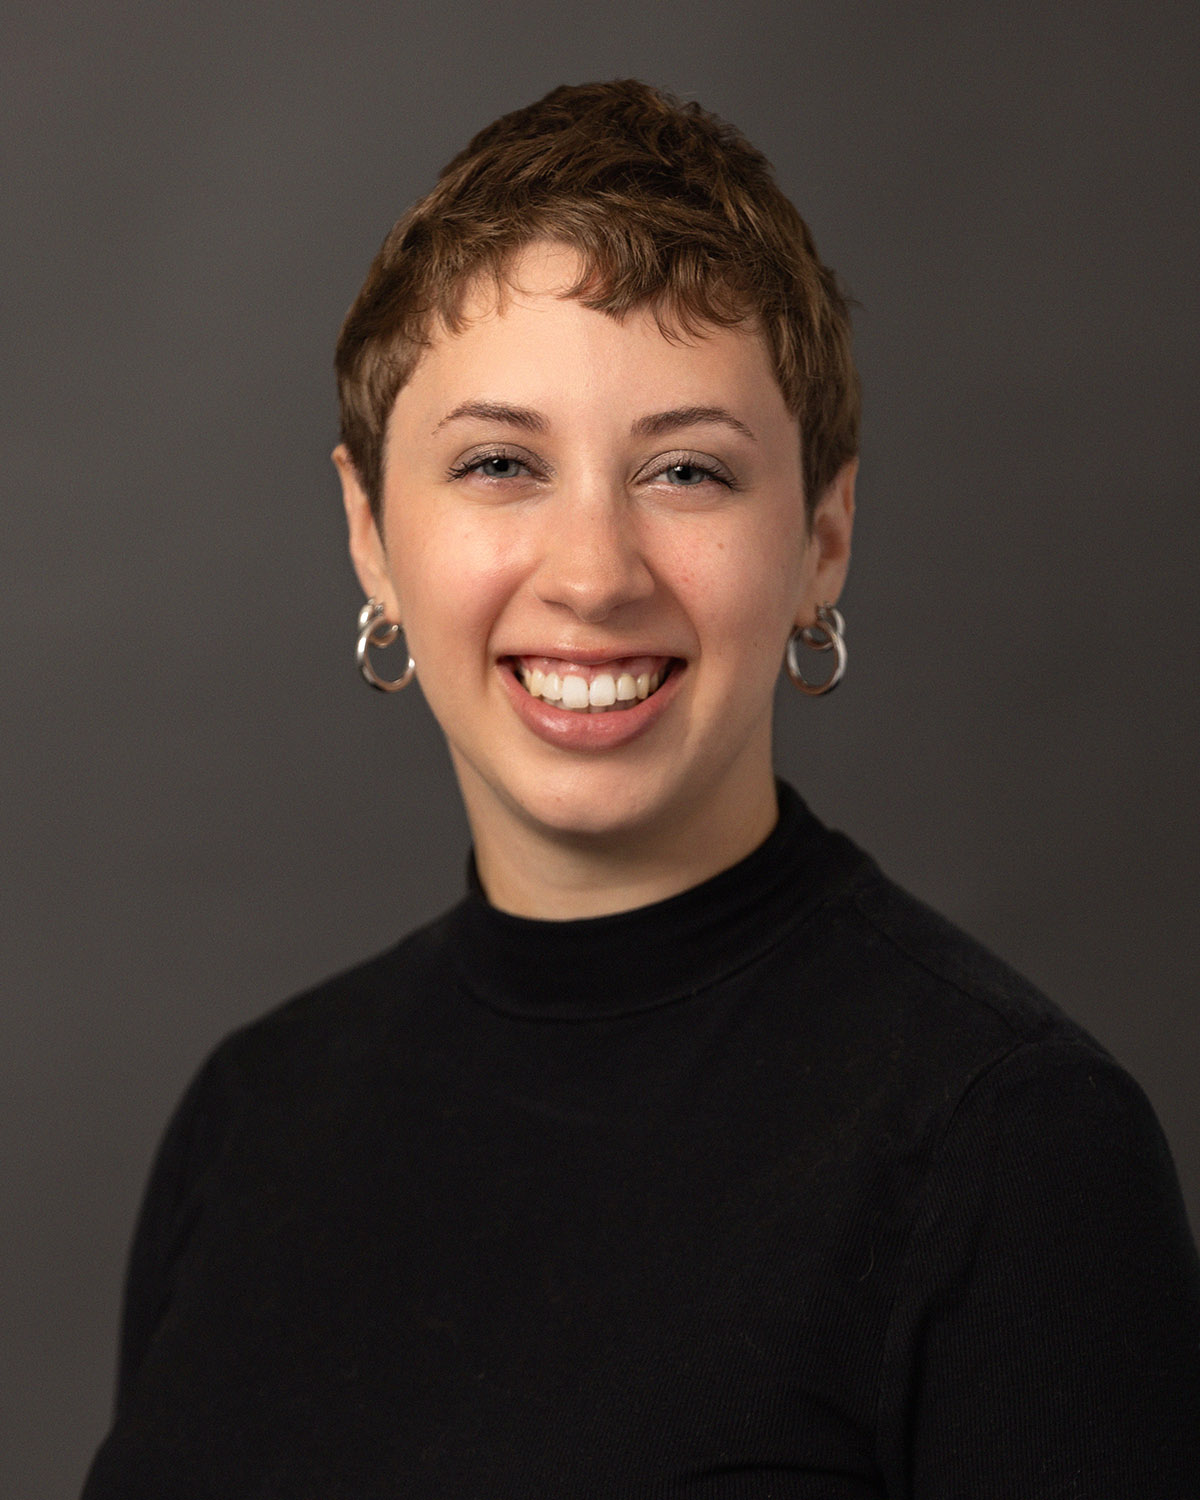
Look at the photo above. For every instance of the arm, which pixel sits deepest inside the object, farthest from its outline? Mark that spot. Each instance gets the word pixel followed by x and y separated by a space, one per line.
pixel 171 1201
pixel 1046 1335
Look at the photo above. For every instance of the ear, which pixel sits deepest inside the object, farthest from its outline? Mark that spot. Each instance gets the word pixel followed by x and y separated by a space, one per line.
pixel 367 551
pixel 829 541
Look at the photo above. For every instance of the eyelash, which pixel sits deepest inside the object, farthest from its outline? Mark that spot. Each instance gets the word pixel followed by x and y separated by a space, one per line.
pixel 475 463
pixel 690 461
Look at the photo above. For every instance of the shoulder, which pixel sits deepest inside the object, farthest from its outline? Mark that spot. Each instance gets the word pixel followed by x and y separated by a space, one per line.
pixel 923 941
pixel 337 1027
pixel 308 1055
pixel 948 1050
pixel 1034 1140
pixel 1048 1274
pixel 904 967
pixel 1045 1264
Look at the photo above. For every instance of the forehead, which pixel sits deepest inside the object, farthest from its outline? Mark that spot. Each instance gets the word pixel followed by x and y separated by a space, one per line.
pixel 525 341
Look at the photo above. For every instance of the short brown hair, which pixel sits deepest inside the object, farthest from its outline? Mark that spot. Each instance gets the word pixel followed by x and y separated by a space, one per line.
pixel 668 206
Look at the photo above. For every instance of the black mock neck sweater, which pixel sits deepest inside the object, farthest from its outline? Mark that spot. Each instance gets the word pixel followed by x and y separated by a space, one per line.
pixel 781 1187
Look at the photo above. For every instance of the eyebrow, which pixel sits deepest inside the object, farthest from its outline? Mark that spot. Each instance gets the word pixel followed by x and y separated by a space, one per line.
pixel 654 425
pixel 661 422
pixel 497 411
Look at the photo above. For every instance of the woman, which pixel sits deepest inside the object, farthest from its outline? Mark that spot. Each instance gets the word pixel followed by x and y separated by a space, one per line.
pixel 687 1155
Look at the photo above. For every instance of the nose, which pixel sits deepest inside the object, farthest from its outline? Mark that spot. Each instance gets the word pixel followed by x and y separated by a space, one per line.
pixel 593 561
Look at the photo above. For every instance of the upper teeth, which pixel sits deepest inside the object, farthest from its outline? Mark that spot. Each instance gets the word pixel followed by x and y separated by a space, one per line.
pixel 605 690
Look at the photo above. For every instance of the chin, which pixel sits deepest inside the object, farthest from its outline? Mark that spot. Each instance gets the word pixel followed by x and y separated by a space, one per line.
pixel 587 802
pixel 604 812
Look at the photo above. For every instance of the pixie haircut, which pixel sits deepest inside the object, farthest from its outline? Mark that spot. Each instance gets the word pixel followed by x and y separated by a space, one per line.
pixel 668 207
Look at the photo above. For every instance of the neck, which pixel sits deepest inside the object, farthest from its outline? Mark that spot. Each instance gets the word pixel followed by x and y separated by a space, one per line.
pixel 529 870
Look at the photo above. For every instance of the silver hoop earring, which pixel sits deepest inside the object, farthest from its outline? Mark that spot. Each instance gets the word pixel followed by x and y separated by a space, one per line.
pixel 827 634
pixel 374 630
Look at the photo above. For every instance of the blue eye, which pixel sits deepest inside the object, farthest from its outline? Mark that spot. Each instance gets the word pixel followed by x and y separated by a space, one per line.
pixel 499 466
pixel 682 470
pixel 687 475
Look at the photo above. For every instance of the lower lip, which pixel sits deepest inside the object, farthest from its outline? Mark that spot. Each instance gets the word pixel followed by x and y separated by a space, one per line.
pixel 569 729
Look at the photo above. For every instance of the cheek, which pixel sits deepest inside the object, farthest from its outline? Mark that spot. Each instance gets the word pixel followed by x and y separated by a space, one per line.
pixel 742 590
pixel 453 582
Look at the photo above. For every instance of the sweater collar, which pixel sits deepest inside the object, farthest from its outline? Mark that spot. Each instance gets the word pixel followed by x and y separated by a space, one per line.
pixel 636 960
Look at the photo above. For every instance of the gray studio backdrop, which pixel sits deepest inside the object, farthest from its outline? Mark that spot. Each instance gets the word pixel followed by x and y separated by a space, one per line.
pixel 204 810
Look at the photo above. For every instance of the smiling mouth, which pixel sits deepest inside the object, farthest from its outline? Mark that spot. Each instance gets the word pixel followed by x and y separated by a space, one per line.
pixel 608 687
